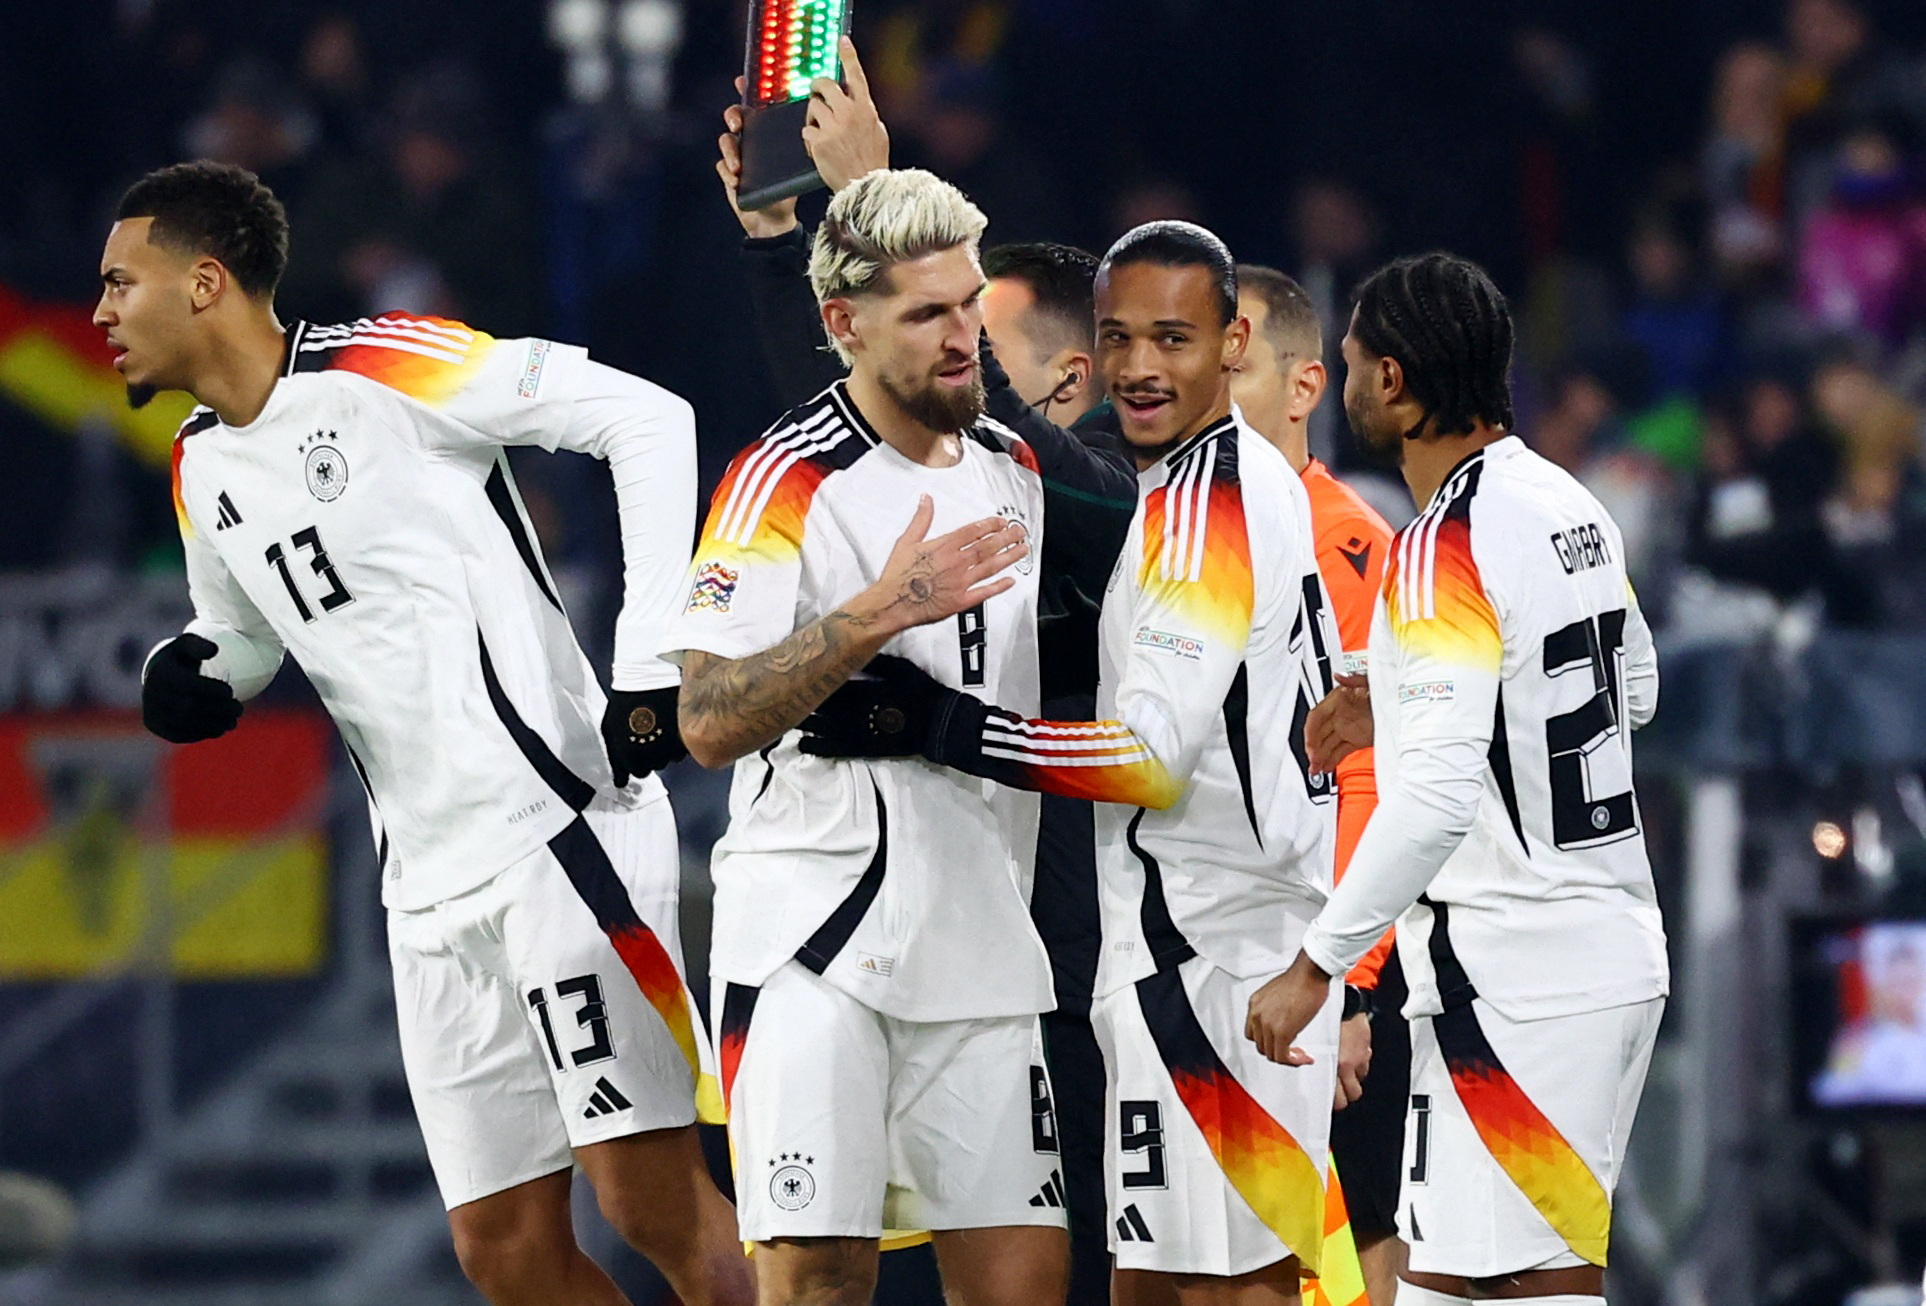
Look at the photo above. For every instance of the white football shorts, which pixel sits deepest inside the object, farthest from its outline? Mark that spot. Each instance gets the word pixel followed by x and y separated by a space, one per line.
pixel 1214 1156
pixel 1516 1133
pixel 845 1122
pixel 546 1009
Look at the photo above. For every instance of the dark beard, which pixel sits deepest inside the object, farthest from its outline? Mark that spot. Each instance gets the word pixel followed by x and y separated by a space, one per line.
pixel 1389 456
pixel 945 411
pixel 139 395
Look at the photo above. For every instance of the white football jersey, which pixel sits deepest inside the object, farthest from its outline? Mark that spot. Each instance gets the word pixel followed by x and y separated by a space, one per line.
pixel 1509 666
pixel 904 884
pixel 367 523
pixel 1213 836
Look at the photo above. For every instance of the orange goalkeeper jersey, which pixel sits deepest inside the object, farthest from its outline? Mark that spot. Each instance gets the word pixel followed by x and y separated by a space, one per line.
pixel 1352 541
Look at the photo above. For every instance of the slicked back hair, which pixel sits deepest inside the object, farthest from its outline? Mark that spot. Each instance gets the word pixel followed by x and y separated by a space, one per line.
pixel 1062 281
pixel 1290 318
pixel 1172 244
pixel 217 210
pixel 1450 329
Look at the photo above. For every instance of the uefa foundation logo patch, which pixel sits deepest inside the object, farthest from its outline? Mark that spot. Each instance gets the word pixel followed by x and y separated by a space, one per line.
pixel 792 1187
pixel 1163 641
pixel 714 588
pixel 327 469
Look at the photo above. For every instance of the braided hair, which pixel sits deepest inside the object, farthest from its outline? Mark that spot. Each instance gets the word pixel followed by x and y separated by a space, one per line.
pixel 1450 329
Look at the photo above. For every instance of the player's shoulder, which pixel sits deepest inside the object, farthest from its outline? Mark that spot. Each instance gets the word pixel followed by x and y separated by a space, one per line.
pixel 776 479
pixel 990 434
pixel 1340 514
pixel 1198 511
pixel 824 434
pixel 413 354
pixel 201 419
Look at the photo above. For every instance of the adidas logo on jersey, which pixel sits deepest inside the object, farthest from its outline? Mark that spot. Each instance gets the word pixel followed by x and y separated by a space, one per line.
pixel 1052 1193
pixel 605 1101
pixel 1131 1227
pixel 229 515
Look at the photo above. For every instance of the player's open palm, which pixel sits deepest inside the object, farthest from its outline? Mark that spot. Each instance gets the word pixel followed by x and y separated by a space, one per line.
pixel 928 580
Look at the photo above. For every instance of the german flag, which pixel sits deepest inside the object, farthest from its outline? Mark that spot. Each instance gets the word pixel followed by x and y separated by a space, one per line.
pixel 108 835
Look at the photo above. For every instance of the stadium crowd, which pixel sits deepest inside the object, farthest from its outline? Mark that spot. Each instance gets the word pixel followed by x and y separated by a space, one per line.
pixel 1723 302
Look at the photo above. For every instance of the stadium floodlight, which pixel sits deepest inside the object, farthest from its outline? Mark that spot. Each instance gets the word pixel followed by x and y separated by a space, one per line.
pixel 790 44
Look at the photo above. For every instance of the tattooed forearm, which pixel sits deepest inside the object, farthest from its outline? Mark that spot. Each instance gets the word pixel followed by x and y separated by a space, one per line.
pixel 731 707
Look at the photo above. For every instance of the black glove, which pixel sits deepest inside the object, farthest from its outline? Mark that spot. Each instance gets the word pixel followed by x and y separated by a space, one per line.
pixel 180 704
pixel 901 711
pixel 641 733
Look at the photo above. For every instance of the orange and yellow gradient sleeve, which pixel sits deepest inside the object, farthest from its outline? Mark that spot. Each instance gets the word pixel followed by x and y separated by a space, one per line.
pixel 1443 691
pixel 1192 622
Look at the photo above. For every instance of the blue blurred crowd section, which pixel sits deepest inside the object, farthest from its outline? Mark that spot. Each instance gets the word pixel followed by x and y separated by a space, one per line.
pixel 1709 215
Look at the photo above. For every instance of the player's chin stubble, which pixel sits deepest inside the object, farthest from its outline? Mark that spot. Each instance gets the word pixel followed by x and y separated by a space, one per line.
pixel 139 394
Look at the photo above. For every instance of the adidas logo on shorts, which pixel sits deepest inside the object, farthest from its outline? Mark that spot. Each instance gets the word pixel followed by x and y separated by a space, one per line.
pixel 605 1101
pixel 1131 1227
pixel 1052 1194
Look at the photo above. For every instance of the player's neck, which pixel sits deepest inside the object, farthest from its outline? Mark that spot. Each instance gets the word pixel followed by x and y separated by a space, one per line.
pixel 1294 442
pixel 241 365
pixel 1428 459
pixel 897 429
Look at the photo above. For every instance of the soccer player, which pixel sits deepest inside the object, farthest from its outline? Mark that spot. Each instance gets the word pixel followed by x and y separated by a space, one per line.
pixel 344 496
pixel 1277 386
pixel 879 977
pixel 1213 835
pixel 1037 310
pixel 1509 665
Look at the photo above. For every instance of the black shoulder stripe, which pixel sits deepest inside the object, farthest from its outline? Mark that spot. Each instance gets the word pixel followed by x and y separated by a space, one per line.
pixel 202 420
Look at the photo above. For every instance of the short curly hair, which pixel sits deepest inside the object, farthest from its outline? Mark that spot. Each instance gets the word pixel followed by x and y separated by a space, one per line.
pixel 217 210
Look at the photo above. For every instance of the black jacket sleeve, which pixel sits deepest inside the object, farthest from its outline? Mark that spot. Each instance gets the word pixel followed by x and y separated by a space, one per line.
pixel 787 321
pixel 1089 486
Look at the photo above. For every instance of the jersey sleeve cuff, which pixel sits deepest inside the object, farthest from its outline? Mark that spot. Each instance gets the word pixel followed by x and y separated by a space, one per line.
pixel 1323 952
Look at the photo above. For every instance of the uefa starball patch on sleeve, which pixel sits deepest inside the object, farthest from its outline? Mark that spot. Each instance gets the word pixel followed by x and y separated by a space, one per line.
pixel 714 589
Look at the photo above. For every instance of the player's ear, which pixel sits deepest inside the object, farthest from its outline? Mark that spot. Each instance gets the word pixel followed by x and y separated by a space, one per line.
pixel 1390 380
pixel 1079 372
pixel 207 281
pixel 839 319
pixel 1308 379
pixel 1237 338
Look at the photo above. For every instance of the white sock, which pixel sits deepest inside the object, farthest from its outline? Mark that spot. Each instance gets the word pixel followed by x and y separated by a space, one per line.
pixel 1410 1294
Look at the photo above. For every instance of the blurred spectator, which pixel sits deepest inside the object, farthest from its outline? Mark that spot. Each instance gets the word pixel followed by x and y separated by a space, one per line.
pixel 1875 519
pixel 1742 164
pixel 429 225
pixel 916 42
pixel 334 70
pixel 1674 318
pixel 961 136
pixel 1152 199
pixel 1840 74
pixel 1756 520
pixel 1580 430
pixel 1862 264
pixel 257 120
pixel 1337 235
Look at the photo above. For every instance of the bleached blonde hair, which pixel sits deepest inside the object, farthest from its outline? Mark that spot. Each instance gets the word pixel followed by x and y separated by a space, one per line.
pixel 887 217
